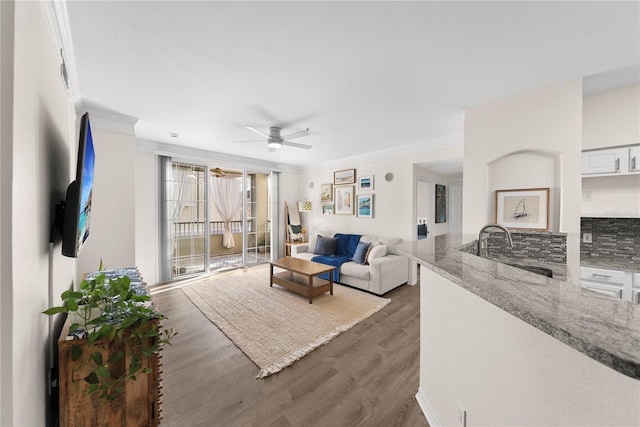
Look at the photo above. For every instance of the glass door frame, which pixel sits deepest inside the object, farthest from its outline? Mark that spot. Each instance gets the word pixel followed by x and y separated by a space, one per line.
pixel 166 232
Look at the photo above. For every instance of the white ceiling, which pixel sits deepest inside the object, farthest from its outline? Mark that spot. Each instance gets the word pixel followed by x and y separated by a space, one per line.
pixel 363 76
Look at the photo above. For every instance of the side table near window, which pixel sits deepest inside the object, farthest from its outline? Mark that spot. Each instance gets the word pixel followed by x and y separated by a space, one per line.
pixel 292 248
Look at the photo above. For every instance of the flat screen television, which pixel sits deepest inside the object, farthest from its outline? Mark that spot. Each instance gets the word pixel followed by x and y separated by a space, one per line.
pixel 77 206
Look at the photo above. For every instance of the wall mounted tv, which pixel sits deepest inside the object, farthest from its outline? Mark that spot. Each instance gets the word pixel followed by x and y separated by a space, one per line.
pixel 77 206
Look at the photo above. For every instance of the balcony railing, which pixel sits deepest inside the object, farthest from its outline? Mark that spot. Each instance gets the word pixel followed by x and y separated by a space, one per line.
pixel 196 228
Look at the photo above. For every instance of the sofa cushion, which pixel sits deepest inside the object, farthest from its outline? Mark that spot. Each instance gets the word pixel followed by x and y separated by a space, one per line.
pixel 325 246
pixel 361 252
pixel 353 269
pixel 377 252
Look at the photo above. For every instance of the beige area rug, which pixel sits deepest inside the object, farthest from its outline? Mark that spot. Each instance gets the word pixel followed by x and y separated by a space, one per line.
pixel 275 327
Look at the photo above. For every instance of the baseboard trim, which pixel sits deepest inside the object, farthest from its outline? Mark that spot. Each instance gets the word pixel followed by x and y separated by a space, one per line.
pixel 426 409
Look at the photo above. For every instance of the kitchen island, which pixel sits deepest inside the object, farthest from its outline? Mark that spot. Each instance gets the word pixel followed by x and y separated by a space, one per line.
pixel 512 347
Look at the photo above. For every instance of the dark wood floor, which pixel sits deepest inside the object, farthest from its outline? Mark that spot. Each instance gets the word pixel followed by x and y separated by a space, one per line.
pixel 366 376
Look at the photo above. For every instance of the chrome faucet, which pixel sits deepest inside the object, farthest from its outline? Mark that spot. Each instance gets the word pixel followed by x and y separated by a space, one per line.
pixel 509 239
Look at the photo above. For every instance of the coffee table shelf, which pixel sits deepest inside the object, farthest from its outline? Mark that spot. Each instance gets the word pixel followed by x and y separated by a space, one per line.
pixel 301 277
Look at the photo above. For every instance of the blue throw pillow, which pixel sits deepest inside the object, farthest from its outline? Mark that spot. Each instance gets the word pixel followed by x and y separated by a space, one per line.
pixel 325 246
pixel 361 252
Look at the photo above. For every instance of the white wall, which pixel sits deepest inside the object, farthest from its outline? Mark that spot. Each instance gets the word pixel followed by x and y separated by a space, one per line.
pixel 394 202
pixel 146 216
pixel 6 144
pixel 611 119
pixel 43 147
pixel 423 175
pixel 547 120
pixel 506 372
pixel 112 229
pixel 527 169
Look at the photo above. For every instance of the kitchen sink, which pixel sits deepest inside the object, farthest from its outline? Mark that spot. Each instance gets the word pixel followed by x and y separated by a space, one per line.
pixel 534 269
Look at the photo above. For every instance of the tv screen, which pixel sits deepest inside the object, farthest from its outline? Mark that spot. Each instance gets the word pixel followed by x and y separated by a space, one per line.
pixel 77 211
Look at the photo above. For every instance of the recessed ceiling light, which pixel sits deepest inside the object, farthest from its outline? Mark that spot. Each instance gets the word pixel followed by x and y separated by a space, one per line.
pixel 173 134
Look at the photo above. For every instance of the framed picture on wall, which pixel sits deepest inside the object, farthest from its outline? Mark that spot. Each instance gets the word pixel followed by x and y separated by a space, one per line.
pixel 526 208
pixel 441 203
pixel 344 177
pixel 326 193
pixel 365 183
pixel 343 200
pixel 327 209
pixel 365 205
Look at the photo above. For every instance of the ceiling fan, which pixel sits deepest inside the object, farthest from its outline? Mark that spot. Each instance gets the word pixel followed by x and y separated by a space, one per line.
pixel 218 173
pixel 275 140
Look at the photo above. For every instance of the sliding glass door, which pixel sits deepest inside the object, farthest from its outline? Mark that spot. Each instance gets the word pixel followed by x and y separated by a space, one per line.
pixel 213 219
pixel 258 217
pixel 187 218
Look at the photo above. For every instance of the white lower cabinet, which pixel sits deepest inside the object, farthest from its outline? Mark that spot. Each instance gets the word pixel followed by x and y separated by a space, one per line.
pixel 615 283
pixel 635 291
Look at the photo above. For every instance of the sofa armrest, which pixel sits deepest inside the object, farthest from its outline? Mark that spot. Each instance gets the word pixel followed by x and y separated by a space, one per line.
pixel 389 270
pixel 296 249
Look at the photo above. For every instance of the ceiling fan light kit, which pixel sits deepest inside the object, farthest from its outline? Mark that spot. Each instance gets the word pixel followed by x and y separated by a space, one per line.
pixel 275 140
pixel 274 143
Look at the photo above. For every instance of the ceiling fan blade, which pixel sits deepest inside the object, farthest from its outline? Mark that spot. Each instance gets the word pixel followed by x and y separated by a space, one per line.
pixel 259 132
pixel 295 144
pixel 251 140
pixel 296 134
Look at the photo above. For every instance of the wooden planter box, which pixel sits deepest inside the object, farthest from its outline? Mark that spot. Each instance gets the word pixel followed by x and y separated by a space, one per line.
pixel 139 405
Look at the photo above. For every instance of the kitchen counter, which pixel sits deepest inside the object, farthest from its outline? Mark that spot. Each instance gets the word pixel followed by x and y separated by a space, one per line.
pixel 608 263
pixel 602 328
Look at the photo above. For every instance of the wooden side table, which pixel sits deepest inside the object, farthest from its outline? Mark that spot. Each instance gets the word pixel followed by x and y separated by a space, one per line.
pixel 291 248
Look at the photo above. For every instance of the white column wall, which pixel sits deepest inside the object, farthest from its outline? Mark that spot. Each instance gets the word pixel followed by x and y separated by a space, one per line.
pixel 505 372
pixel 146 216
pixel 548 120
pixel 112 228
pixel 43 147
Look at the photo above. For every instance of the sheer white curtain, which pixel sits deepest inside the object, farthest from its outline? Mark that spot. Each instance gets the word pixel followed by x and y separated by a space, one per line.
pixel 227 197
pixel 178 182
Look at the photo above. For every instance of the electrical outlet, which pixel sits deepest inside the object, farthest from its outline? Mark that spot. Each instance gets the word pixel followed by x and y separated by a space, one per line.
pixel 461 414
pixel 587 237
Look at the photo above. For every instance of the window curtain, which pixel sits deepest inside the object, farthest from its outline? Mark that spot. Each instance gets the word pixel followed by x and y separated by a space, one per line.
pixel 227 197
pixel 178 182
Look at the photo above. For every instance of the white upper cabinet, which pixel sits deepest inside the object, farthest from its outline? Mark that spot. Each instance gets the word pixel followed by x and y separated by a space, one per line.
pixel 634 158
pixel 611 161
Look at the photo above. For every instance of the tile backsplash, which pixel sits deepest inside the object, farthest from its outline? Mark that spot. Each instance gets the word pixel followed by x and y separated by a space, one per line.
pixel 538 246
pixel 613 239
pixel 529 245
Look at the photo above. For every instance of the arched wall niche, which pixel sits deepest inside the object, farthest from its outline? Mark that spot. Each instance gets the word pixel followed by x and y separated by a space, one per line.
pixel 527 169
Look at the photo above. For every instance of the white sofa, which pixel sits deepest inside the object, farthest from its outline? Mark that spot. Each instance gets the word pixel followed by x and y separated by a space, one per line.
pixel 379 276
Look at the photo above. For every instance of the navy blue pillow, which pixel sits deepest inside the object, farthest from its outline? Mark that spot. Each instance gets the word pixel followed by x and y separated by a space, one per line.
pixel 361 252
pixel 325 246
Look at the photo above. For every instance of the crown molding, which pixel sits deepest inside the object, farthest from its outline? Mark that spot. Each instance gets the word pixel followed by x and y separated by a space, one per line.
pixel 213 158
pixel 58 20
pixel 105 118
pixel 417 151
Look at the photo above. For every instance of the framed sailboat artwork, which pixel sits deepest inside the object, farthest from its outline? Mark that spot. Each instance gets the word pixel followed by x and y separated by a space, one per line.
pixel 526 208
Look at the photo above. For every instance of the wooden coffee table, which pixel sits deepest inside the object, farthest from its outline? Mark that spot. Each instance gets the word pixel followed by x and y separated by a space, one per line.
pixel 301 276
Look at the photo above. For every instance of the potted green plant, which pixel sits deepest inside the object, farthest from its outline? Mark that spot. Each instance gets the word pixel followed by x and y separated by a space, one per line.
pixel 107 311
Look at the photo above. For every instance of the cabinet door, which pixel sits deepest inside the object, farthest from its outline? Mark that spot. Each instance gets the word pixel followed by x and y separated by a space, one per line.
pixel 612 291
pixel 604 161
pixel 634 159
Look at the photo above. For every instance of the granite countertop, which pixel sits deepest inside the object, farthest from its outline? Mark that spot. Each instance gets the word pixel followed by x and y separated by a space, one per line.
pixel 608 263
pixel 603 328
